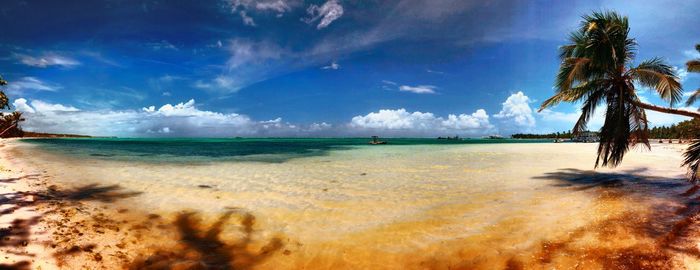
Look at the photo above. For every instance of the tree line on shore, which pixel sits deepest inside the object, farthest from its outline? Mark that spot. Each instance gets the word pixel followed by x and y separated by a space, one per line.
pixel 688 129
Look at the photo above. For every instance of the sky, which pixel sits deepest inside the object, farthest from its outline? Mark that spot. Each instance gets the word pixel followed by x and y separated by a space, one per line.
pixel 293 68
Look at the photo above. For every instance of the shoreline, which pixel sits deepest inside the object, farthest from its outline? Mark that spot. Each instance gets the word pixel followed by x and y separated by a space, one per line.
pixel 88 225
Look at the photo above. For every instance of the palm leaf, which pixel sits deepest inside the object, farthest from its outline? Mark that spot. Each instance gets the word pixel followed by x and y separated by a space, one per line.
pixel 625 126
pixel 655 74
pixel 693 65
pixel 587 110
pixel 693 97
pixel 691 158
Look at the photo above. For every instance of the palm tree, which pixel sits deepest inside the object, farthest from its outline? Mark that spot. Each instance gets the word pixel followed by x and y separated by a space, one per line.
pixel 4 101
pixel 596 69
pixel 8 122
pixel 692 154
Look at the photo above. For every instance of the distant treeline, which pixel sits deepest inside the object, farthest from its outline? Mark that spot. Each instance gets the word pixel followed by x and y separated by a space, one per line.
pixel 689 129
pixel 560 135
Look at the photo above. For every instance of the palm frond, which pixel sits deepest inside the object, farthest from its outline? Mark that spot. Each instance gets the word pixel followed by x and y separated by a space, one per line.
pixel 4 101
pixel 656 74
pixel 587 110
pixel 691 158
pixel 693 97
pixel 625 126
pixel 693 65
pixel 572 70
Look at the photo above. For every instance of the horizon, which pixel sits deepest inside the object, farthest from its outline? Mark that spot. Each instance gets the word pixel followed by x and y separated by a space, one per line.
pixel 312 69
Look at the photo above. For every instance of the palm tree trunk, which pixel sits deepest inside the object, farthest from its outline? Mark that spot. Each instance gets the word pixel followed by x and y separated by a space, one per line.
pixel 666 109
pixel 7 129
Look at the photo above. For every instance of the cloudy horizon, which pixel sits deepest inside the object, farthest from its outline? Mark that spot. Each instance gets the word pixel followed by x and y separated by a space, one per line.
pixel 299 68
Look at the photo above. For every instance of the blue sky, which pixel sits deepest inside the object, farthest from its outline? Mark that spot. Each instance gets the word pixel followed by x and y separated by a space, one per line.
pixel 309 68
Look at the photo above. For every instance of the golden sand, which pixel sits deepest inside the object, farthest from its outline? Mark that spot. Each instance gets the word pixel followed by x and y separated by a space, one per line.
pixel 500 206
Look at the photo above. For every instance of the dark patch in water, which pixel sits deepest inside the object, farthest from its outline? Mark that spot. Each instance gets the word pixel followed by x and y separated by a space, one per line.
pixel 101 155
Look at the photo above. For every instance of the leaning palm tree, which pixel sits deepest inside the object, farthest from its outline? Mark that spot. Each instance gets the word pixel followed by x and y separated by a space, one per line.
pixel 9 123
pixel 692 154
pixel 596 69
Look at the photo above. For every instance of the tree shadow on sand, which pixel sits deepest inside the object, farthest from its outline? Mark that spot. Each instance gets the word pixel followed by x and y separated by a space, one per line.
pixel 201 247
pixel 649 240
pixel 625 180
pixel 18 235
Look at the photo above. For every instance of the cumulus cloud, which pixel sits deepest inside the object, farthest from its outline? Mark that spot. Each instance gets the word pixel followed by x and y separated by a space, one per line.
pixel 31 83
pixel 333 65
pixel 182 119
pixel 516 109
pixel 419 89
pixel 326 13
pixel 403 123
pixel 46 60
pixel 21 105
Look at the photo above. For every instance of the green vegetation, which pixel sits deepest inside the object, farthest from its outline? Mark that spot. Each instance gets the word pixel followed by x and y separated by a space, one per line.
pixel 9 122
pixel 597 70
pixel 557 135
pixel 692 154
pixel 689 129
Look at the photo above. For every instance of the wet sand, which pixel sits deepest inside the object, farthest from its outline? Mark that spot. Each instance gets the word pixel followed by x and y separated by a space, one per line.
pixel 518 206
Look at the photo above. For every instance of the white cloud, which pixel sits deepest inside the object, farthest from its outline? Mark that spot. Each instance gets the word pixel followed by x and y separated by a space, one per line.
pixel 31 83
pixel 167 94
pixel 334 65
pixel 46 60
pixel 247 20
pixel 45 107
pixel 249 62
pixel 548 115
pixel 691 54
pixel 320 126
pixel 419 89
pixel 435 71
pixel 278 6
pixel 403 123
pixel 162 45
pixel 517 109
pixel 182 119
pixel 681 72
pixel 21 105
pixel 664 119
pixel 244 7
pixel 327 13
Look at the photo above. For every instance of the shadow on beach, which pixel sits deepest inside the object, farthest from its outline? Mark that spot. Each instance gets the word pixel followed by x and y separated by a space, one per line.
pixel 632 240
pixel 632 180
pixel 139 240
pixel 206 247
pixel 15 238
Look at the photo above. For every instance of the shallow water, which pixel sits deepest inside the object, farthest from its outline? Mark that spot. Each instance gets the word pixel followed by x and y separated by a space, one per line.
pixel 400 206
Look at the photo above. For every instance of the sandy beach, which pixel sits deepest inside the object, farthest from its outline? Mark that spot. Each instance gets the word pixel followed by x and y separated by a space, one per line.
pixel 502 206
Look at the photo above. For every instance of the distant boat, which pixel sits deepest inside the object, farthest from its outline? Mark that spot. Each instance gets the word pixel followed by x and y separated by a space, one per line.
pixel 497 137
pixel 375 140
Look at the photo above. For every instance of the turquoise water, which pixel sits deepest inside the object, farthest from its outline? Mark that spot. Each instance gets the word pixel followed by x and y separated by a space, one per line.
pixel 227 149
